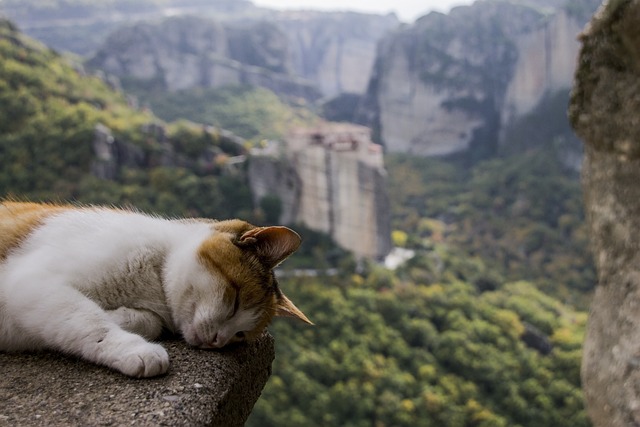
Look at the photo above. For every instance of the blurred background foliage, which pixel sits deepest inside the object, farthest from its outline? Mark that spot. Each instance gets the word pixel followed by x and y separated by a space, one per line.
pixel 249 112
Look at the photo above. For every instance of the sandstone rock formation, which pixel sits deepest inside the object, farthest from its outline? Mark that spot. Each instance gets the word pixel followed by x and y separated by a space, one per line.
pixel 331 179
pixel 604 111
pixel 335 50
pixel 452 83
pixel 186 51
pixel 545 64
pixel 82 30
pixel 301 54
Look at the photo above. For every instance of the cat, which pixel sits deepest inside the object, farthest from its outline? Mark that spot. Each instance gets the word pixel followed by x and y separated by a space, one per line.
pixel 102 283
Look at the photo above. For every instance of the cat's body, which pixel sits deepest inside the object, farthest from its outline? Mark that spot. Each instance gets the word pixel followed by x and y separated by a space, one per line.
pixel 99 283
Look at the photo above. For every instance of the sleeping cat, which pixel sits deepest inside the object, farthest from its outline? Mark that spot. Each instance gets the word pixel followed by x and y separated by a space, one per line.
pixel 100 283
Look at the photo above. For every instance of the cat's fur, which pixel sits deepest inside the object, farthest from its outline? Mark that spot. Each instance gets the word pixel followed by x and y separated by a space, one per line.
pixel 100 283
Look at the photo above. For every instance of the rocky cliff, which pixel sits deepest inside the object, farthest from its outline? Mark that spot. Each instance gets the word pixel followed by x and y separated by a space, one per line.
pixel 81 27
pixel 185 52
pixel 473 81
pixel 455 83
pixel 604 111
pixel 299 54
pixel 332 179
pixel 334 50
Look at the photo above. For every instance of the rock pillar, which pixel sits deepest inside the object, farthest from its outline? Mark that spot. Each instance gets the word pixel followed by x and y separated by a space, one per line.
pixel 605 112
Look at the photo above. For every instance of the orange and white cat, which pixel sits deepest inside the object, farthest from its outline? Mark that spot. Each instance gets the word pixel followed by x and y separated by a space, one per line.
pixel 100 283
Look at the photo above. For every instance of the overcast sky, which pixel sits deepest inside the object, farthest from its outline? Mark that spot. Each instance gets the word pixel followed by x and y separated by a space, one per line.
pixel 407 10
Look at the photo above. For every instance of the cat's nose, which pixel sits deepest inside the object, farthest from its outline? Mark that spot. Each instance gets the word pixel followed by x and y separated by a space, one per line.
pixel 219 340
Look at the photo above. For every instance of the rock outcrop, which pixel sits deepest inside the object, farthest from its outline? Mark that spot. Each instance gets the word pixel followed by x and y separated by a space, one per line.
pixel 111 154
pixel 332 50
pixel 297 54
pixel 335 50
pixel 82 29
pixel 453 83
pixel 202 388
pixel 186 52
pixel 332 179
pixel 604 111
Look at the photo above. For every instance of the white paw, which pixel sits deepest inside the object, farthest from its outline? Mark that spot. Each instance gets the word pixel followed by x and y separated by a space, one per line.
pixel 142 360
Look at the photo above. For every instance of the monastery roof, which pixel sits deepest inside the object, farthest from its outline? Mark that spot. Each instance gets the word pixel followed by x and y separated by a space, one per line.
pixel 329 128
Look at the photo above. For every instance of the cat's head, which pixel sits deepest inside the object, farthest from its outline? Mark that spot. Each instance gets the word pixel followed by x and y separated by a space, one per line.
pixel 232 294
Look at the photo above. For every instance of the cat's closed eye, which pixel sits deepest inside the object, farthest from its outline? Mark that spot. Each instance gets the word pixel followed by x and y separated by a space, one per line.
pixel 236 304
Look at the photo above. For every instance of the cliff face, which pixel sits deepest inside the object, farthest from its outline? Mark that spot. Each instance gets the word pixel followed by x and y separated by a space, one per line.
pixel 604 111
pixel 332 50
pixel 335 50
pixel 302 54
pixel 186 52
pixel 453 83
pixel 82 28
pixel 331 179
pixel 545 64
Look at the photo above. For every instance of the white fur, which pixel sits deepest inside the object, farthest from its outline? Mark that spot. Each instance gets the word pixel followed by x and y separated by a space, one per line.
pixel 85 283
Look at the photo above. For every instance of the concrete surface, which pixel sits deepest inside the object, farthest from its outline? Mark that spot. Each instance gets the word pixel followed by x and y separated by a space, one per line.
pixel 214 388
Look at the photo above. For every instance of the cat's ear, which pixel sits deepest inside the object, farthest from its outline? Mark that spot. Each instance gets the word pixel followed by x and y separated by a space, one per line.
pixel 285 308
pixel 272 244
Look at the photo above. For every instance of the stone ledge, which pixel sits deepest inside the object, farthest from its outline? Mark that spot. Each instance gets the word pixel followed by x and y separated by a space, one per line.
pixel 212 388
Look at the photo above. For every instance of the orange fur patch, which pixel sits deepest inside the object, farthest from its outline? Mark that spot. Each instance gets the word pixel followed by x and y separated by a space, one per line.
pixel 241 270
pixel 18 220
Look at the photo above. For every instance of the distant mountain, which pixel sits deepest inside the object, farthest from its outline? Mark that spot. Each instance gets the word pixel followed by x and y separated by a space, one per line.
pixel 303 54
pixel 486 79
pixel 186 51
pixel 465 82
pixel 333 51
pixel 82 26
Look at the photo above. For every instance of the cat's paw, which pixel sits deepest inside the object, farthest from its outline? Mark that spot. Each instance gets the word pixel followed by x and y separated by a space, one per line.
pixel 138 321
pixel 143 360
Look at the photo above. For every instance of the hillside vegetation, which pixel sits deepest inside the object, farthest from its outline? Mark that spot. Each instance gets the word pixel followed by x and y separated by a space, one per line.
pixel 250 112
pixel 48 113
pixel 479 328
pixel 392 352
pixel 522 215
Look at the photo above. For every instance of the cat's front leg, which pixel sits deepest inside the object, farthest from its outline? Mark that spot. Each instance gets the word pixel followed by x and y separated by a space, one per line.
pixel 132 355
pixel 138 321
pixel 61 318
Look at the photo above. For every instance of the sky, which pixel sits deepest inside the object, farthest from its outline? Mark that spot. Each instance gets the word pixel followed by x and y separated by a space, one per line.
pixel 407 10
